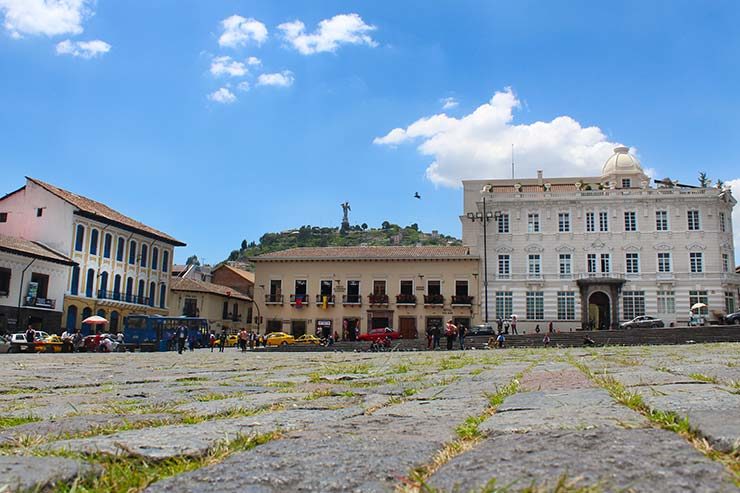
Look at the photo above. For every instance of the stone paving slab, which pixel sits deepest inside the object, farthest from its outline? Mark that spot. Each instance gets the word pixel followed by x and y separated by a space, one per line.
pixel 252 401
pixel 634 460
pixel 20 473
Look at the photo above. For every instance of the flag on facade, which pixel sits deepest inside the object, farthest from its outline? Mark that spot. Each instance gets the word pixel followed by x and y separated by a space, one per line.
pixel 324 302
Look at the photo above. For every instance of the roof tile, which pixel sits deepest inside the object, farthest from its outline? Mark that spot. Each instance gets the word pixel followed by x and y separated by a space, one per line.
pixel 193 285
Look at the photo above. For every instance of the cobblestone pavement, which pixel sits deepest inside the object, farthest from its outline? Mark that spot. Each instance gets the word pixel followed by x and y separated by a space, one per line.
pixel 654 419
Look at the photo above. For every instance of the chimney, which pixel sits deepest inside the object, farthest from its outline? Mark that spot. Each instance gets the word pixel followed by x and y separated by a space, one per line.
pixel 539 177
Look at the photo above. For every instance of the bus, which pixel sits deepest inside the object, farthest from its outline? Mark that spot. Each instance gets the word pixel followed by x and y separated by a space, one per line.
pixel 156 333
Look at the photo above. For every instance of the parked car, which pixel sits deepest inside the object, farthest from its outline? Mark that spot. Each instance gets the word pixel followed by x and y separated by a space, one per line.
pixel 733 319
pixel 279 339
pixel 379 334
pixel 308 339
pixel 642 322
pixel 231 340
pixel 482 330
pixel 107 343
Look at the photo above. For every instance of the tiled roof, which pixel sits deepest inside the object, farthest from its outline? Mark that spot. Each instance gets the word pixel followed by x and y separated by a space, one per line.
pixel 369 252
pixel 193 285
pixel 33 249
pixel 245 274
pixel 103 212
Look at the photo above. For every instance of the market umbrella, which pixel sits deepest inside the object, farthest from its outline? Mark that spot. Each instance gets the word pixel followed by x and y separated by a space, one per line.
pixel 95 320
pixel 696 306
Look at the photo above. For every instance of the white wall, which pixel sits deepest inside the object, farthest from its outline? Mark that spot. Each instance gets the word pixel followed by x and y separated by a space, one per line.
pixel 16 263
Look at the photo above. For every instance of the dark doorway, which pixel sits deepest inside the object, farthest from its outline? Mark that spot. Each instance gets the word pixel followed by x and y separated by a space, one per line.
pixel 274 326
pixel 298 327
pixel 323 328
pixel 350 329
pixel 407 327
pixel 434 322
pixel 380 322
pixel 462 321
pixel 599 312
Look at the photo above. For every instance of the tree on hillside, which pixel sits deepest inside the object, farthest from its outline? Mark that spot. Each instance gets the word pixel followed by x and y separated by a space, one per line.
pixel 192 260
pixel 244 244
pixel 364 226
pixel 720 184
pixel 704 180
pixel 414 226
pixel 385 225
pixel 234 255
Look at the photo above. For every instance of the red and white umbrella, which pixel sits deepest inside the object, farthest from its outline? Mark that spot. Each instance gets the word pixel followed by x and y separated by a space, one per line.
pixel 95 320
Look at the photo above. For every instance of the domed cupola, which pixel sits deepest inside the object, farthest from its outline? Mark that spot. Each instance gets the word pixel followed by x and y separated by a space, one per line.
pixel 622 168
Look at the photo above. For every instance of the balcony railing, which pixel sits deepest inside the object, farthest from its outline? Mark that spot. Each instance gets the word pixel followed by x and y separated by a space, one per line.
pixel 434 299
pixel 41 303
pixel 462 300
pixel 299 299
pixel 231 317
pixel 104 294
pixel 274 299
pixel 378 299
pixel 352 299
pixel 320 299
pixel 406 299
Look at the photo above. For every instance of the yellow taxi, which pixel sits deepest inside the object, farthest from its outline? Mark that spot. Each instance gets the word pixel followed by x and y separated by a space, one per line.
pixel 231 341
pixel 308 339
pixel 279 339
pixel 51 344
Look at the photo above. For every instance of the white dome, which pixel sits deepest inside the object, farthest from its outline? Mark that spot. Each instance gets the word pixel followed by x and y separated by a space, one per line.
pixel 621 163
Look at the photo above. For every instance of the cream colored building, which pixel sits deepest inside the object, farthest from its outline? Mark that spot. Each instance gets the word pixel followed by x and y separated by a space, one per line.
pixel 350 289
pixel 601 249
pixel 224 307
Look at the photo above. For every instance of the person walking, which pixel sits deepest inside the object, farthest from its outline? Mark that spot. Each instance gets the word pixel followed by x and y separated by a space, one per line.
pixel 243 336
pixel 499 325
pixel 549 327
pixel 436 336
pixel 546 340
pixel 461 333
pixel 211 340
pixel 450 334
pixel 430 337
pixel 182 334
pixel 513 326
pixel 222 341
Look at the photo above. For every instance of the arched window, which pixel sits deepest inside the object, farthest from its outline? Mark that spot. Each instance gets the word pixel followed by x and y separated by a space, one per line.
pixel 165 261
pixel 129 289
pixel 79 237
pixel 155 258
pixel 74 287
pixel 86 328
pixel 140 293
pixel 132 253
pixel 90 283
pixel 93 242
pixel 119 250
pixel 163 295
pixel 152 293
pixel 107 245
pixel 113 321
pixel 101 313
pixel 71 317
pixel 117 287
pixel 144 254
pixel 103 289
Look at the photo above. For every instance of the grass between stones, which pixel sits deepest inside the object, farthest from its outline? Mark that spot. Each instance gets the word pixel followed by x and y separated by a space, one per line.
pixel 123 474
pixel 703 378
pixel 10 421
pixel 666 420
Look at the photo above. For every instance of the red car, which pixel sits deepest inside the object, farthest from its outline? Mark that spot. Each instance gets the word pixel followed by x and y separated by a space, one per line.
pixel 379 334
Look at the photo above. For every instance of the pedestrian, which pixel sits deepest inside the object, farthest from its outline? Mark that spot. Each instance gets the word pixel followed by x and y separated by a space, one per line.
pixel 243 336
pixel 537 328
pixel 513 326
pixel 66 341
pixel 501 341
pixel 430 337
pixel 546 340
pixel 436 336
pixel 461 333
pixel 192 342
pixel 182 334
pixel 30 334
pixel 499 325
pixel 222 341
pixel 506 327
pixel 450 334
pixel 211 340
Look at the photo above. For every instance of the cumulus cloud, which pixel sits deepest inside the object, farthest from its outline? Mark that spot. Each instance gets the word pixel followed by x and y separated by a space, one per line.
pixel 83 49
pixel 734 185
pixel 225 65
pixel 330 34
pixel 280 79
pixel 243 86
pixel 223 96
pixel 47 17
pixel 238 31
pixel 478 145
pixel 448 103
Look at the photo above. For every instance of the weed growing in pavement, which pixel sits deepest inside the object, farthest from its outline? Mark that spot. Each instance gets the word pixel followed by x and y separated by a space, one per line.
pixel 562 485
pixel 282 386
pixel 703 378
pixel 10 421
pixel 455 362
pixel 401 369
pixel 318 394
pixel 216 396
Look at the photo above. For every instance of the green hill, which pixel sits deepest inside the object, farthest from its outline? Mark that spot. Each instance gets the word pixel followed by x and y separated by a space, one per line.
pixel 316 236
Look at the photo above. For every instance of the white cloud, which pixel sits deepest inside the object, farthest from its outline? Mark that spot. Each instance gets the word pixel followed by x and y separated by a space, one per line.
pixel 254 61
pixel 223 96
pixel 238 31
pixel 83 49
pixel 448 103
pixel 478 145
pixel 243 86
pixel 331 33
pixel 47 17
pixel 281 79
pixel 225 65
pixel 734 185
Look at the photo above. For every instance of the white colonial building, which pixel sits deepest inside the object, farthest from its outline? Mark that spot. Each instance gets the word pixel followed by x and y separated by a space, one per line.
pixel 123 266
pixel 599 250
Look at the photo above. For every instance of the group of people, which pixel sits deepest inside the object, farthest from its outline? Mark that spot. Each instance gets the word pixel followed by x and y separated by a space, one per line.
pixel 450 331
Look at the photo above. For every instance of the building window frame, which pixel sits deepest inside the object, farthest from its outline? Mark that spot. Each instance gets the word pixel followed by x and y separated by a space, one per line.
pixel 565 265
pixel 661 220
pixel 533 222
pixel 699 296
pixel 566 305
pixel 534 265
pixel 693 219
pixel 503 223
pixel 564 222
pixel 633 304
pixel 535 305
pixel 666 302
pixel 504 304
pixel 504 266
pixel 630 221
pixel 632 263
pixel 590 222
pixel 603 221
pixel 664 262
pixel 696 262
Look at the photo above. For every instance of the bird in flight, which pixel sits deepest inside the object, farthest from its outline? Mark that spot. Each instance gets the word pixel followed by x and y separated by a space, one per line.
pixel 417 196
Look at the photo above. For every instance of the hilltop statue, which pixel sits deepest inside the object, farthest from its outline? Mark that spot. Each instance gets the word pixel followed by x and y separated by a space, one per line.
pixel 345 220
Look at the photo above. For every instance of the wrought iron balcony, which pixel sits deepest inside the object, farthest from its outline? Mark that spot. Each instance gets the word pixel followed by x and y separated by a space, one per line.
pixel 405 299
pixel 104 294
pixel 40 303
pixel 378 299
pixel 434 299
pixel 299 299
pixel 329 299
pixel 352 299
pixel 274 299
pixel 462 300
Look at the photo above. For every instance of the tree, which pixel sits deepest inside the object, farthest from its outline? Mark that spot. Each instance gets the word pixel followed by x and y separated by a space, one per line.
pixel 415 227
pixel 192 260
pixel 704 180
pixel 244 244
pixel 385 225
pixel 720 184
pixel 364 226
pixel 234 255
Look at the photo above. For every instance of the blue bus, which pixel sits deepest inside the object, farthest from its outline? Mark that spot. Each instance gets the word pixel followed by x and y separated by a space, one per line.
pixel 155 333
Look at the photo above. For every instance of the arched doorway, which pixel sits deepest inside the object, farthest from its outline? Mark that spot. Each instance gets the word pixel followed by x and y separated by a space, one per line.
pixel 71 318
pixel 599 311
pixel 86 328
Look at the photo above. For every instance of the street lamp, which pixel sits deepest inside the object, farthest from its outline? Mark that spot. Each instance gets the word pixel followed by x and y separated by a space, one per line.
pixel 484 217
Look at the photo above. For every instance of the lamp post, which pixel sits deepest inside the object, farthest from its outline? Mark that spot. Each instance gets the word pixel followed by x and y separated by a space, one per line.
pixel 484 217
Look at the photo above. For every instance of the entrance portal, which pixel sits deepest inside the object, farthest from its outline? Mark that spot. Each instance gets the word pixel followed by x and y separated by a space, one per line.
pixel 407 327
pixel 599 312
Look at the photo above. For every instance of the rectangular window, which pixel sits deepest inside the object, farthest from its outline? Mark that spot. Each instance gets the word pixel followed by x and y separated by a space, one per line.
pixel 4 281
pixel 379 287
pixel 504 304
pixel 353 292
pixel 566 305
pixel 503 223
pixel 606 263
pixel 132 253
pixel 325 288
pixel 3 217
pixel 729 302
pixel 434 287
pixel 300 287
pixel 407 287
pixel 461 288
pixel 565 265
pixel 722 226
pixel 633 304
pixel 42 281
pixel 699 297
pixel 108 239
pixel 504 266
pixel 225 311
pixel 632 263
pixel 564 222
pixel 534 265
pixel 535 305
pixel 626 183
pixel 276 288
pixel 696 261
pixel 39 211
pixel 119 250
pixel 693 220
pixel 666 302
pixel 725 263
pixel 79 237
pixel 591 263
pixel 590 222
pixel 630 221
pixel 533 223
pixel 603 221
pixel 190 307
pixel 664 262
pixel 661 220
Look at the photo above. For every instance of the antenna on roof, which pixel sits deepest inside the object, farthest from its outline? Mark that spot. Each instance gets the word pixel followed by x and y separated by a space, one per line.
pixel 512 161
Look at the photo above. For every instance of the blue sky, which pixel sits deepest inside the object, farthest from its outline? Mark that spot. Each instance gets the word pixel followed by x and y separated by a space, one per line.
pixel 133 103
